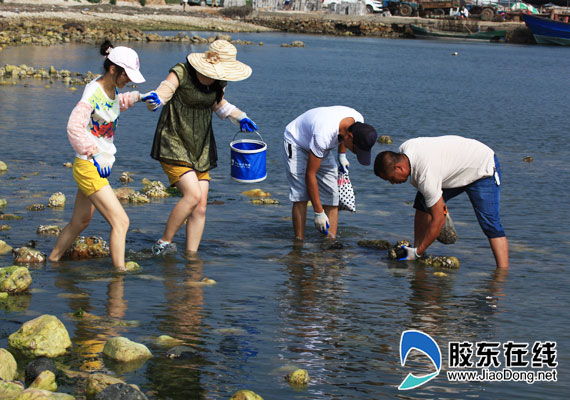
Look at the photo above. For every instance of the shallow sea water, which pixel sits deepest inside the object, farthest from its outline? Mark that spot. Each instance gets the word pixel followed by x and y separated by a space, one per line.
pixel 337 313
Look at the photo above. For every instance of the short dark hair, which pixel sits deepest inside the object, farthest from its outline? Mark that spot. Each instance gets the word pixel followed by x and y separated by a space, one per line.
pixel 384 161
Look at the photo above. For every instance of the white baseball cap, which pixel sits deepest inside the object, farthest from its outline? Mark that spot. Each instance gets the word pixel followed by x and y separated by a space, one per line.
pixel 128 59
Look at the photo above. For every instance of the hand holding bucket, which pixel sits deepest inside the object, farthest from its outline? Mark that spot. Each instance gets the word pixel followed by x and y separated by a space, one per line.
pixel 248 159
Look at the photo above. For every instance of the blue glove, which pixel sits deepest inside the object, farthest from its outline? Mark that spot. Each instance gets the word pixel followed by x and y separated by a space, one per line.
pixel 102 164
pixel 411 254
pixel 152 100
pixel 344 163
pixel 322 222
pixel 247 125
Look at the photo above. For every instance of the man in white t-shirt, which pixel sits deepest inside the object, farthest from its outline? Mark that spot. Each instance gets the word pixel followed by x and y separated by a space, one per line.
pixel 442 168
pixel 311 167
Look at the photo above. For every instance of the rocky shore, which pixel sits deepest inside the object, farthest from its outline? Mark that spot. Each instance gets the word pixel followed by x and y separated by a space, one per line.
pixel 23 22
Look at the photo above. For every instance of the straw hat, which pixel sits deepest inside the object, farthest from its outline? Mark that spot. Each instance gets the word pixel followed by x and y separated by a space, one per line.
pixel 220 63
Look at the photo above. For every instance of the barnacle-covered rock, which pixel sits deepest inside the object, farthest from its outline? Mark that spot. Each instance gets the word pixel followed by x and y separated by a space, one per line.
pixel 397 251
pixel 36 207
pixel 27 255
pixel 56 200
pixel 126 177
pixel 5 227
pixel 53 230
pixel 265 201
pixel 87 247
pixel 375 244
pixel 9 217
pixel 384 139
pixel 245 395
pixel 14 279
pixel 138 198
pixel 441 262
pixel 154 189
pixel 123 193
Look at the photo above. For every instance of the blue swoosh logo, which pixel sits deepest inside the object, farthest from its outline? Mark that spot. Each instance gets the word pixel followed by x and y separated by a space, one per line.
pixel 423 343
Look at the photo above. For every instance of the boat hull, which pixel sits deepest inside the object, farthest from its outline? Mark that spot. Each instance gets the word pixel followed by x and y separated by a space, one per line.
pixel 547 31
pixel 431 33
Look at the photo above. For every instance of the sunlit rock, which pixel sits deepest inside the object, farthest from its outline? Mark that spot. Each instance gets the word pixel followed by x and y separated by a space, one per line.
pixel 5 227
pixel 3 203
pixel 45 381
pixel 132 266
pixel 124 350
pixel 5 248
pixel 14 279
pixel 126 177
pixel 167 341
pixel 441 262
pixel 8 366
pixel 50 230
pixel 68 165
pixel 42 336
pixel 384 139
pixel 27 255
pixel 9 217
pixel 39 394
pixel 10 390
pixel 375 244
pixel 256 193
pixel 56 200
pixel 264 201
pixel 3 166
pixel 97 382
pixel 138 198
pixel 298 377
pixel 245 395
pixel 440 274
pixel 528 159
pixel 87 247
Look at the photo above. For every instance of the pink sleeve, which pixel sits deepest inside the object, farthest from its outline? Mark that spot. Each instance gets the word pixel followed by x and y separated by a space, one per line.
pixel 77 133
pixel 128 99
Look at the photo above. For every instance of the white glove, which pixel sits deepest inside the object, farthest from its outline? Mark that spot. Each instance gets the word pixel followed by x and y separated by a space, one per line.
pixel 411 254
pixel 152 100
pixel 103 165
pixel 322 222
pixel 344 163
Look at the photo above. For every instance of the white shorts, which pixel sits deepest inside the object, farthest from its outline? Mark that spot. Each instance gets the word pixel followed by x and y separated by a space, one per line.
pixel 295 159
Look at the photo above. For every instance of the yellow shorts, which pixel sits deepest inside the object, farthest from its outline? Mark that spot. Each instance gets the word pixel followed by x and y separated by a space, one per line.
pixel 87 178
pixel 175 172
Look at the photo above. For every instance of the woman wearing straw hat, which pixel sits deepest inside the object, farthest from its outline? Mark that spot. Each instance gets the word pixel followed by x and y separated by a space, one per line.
pixel 90 130
pixel 184 140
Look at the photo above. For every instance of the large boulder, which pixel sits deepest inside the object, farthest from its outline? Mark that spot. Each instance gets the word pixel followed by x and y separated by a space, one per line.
pixel 14 279
pixel 42 336
pixel 37 366
pixel 120 391
pixel 8 366
pixel 122 349
pixel 87 247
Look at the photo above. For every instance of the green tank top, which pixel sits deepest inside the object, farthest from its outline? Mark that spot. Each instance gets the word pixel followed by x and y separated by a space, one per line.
pixel 184 134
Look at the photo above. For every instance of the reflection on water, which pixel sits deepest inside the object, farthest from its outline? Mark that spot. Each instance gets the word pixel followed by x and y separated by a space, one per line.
pixel 276 304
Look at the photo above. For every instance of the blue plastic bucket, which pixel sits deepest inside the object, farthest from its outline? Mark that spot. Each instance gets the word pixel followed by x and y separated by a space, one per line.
pixel 248 159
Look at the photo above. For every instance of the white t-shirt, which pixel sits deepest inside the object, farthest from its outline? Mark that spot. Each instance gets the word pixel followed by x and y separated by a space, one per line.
pixel 316 130
pixel 104 118
pixel 446 162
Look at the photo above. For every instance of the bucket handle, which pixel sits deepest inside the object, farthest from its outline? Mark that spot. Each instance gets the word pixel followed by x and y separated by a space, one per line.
pixel 256 132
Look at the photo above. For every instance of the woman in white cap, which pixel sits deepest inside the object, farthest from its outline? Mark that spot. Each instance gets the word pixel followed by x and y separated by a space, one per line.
pixel 184 140
pixel 90 129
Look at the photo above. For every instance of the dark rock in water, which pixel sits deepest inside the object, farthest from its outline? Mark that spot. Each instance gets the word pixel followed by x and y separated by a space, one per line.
pixel 120 391
pixel 397 251
pixel 37 366
pixel 182 353
pixel 375 244
pixel 332 245
pixel 528 159
pixel 31 244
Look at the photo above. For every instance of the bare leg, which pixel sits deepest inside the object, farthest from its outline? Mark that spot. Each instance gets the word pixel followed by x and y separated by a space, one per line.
pixel 197 220
pixel 500 247
pixel 299 214
pixel 332 213
pixel 82 213
pixel 111 209
pixel 191 195
pixel 421 222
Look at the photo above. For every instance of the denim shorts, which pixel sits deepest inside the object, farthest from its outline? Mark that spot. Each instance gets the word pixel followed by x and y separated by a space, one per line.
pixel 485 196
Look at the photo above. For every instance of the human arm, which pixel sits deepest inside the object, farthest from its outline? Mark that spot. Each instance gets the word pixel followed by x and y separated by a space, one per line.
pixel 128 99
pixel 344 163
pixel 77 132
pixel 427 227
pixel 224 109
pixel 163 92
